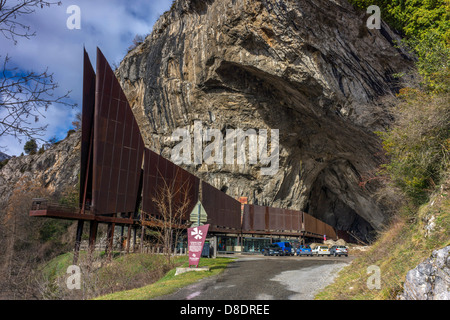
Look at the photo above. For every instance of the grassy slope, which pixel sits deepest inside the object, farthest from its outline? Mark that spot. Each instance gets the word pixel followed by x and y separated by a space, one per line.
pixel 129 277
pixel 170 283
pixel 399 249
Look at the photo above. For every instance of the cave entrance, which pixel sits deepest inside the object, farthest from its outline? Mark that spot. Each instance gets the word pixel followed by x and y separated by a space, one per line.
pixel 333 200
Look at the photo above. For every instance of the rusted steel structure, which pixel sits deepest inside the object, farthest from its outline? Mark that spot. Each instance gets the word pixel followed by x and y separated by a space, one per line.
pixel 161 175
pixel 119 177
pixel 224 212
pixel 265 220
pixel 112 153
pixel 118 147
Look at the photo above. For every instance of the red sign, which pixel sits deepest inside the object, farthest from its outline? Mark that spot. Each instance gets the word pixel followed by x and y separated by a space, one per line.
pixel 196 240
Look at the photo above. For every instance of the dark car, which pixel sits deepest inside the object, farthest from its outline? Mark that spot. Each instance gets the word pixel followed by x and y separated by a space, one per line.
pixel 273 250
pixel 287 249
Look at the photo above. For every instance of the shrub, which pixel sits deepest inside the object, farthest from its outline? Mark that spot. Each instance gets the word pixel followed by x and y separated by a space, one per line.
pixel 30 147
pixel 418 143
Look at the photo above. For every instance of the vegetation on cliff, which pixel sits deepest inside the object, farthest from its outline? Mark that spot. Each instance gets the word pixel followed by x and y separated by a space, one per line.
pixel 418 143
pixel 418 149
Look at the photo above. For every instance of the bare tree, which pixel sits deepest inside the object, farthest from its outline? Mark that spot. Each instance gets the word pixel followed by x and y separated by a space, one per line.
pixel 24 95
pixel 20 247
pixel 77 122
pixel 172 200
pixel 137 40
pixel 10 11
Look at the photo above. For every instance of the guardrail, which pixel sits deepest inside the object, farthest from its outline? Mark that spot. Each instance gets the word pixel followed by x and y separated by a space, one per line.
pixel 45 204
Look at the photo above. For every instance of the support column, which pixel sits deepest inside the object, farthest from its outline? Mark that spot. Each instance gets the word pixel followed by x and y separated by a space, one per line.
pixel 134 238
pixel 128 239
pixel 122 230
pixel 92 235
pixel 78 241
pixel 92 238
pixel 110 241
pixel 142 239
pixel 215 247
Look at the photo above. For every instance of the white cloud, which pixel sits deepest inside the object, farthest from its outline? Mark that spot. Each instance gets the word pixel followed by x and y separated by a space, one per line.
pixel 109 24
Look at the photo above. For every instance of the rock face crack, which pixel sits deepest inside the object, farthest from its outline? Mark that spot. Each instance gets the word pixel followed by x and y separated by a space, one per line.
pixel 430 280
pixel 308 68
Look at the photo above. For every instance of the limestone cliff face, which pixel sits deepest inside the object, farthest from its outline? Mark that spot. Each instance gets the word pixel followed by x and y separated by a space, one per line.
pixel 55 170
pixel 311 69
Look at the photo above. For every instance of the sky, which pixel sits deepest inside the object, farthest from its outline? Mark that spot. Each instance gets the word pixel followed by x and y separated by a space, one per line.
pixel 110 25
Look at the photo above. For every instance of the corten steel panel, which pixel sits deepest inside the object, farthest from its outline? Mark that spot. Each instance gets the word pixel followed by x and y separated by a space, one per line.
pixel 310 223
pixel 255 218
pixel 323 227
pixel 267 218
pixel 317 226
pixel 159 172
pixel 297 220
pixel 259 217
pixel 275 222
pixel 222 210
pixel 118 146
pixel 287 220
pixel 293 217
pixel 262 218
pixel 248 218
pixel 320 227
pixel 330 232
pixel 87 126
pixel 279 219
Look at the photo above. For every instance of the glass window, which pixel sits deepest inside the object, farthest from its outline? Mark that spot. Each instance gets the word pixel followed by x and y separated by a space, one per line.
pixel 255 244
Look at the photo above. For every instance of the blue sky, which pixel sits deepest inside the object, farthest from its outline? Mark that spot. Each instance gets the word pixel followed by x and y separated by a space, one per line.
pixel 109 24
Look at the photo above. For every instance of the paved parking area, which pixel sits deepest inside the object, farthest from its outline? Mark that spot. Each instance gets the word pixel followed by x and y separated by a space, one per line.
pixel 266 278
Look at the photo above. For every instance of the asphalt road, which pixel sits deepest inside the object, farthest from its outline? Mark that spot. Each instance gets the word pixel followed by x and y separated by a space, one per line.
pixel 266 278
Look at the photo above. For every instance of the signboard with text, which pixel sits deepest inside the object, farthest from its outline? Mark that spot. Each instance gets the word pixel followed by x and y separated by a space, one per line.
pixel 196 240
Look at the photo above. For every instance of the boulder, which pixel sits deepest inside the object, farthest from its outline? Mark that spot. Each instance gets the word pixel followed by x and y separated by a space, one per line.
pixel 430 280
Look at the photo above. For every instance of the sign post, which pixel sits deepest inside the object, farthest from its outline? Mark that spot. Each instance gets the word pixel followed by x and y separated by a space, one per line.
pixel 196 241
pixel 198 215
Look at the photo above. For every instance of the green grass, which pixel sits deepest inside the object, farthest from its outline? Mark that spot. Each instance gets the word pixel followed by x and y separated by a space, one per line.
pixel 170 283
pixel 57 266
pixel 136 276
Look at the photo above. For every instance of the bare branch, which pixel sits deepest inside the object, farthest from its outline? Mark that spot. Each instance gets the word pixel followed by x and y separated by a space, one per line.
pixel 24 97
pixel 10 25
pixel 172 202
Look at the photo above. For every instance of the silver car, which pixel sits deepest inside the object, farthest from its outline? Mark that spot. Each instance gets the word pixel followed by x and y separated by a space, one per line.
pixel 339 251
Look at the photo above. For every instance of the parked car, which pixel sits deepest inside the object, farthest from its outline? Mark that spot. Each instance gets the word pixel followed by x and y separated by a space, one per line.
pixel 273 250
pixel 287 248
pixel 339 251
pixel 321 251
pixel 304 251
